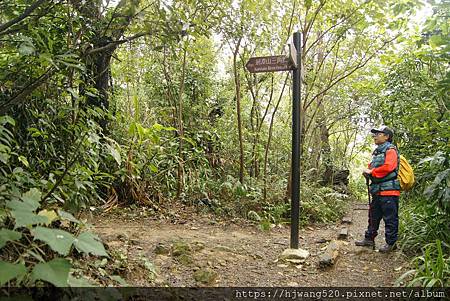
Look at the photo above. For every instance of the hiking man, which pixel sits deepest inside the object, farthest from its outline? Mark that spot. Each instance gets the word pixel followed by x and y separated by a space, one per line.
pixel 384 189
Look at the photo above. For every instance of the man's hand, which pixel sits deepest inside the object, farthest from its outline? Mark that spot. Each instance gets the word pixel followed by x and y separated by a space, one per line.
pixel 367 172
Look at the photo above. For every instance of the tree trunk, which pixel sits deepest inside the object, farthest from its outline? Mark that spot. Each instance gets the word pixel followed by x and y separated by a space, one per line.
pixel 326 152
pixel 99 71
pixel 181 129
pixel 325 148
pixel 238 111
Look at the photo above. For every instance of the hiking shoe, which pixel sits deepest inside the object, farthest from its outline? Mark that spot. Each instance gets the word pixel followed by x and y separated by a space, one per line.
pixel 387 248
pixel 365 243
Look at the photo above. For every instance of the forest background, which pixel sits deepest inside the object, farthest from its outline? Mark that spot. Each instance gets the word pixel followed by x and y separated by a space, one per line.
pixel 143 103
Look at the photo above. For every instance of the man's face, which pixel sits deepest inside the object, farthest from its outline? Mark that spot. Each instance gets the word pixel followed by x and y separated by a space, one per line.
pixel 379 138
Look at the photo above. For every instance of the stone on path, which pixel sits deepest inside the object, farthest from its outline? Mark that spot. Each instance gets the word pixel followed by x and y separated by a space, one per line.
pixel 135 242
pixel 343 234
pixel 346 220
pixel 361 206
pixel 299 254
pixel 329 257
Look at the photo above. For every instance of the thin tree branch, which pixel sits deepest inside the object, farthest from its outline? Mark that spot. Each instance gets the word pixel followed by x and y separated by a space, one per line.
pixel 344 75
pixel 27 90
pixel 334 26
pixel 322 61
pixel 25 14
pixel 114 44
pixel 361 64
pixel 309 25
pixel 267 108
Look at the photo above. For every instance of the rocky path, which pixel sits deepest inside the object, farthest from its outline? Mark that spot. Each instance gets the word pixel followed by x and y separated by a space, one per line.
pixel 197 250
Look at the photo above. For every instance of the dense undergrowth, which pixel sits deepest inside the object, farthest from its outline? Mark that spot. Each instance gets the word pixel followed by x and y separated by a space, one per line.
pixel 424 224
pixel 48 179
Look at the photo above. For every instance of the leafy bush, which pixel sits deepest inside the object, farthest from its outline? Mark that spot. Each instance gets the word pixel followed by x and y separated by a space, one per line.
pixel 427 210
pixel 424 222
pixel 321 204
pixel 438 173
pixel 317 205
pixel 38 238
pixel 431 269
pixel 28 235
pixel 140 155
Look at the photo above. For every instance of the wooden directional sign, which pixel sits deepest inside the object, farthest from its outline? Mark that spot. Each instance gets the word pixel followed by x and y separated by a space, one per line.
pixel 269 64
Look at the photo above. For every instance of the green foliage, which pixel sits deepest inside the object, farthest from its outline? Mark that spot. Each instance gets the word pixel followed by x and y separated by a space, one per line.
pixel 59 241
pixel 89 243
pixel 41 228
pixel 427 210
pixel 8 235
pixel 432 269
pixel 321 204
pixel 55 271
pixel 144 156
pixel 436 176
pixel 421 223
pixel 25 242
pixel 318 205
pixel 277 213
pixel 11 271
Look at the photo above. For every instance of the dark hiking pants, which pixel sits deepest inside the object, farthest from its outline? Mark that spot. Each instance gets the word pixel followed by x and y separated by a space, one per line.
pixel 386 208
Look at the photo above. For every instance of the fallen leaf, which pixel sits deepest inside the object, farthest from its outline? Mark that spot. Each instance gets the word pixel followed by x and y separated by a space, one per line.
pixel 397 269
pixel 51 215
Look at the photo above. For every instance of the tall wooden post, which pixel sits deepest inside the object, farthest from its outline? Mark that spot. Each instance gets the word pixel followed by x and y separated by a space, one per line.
pixel 295 184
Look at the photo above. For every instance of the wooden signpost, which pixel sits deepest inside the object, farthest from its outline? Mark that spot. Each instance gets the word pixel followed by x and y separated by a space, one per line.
pixel 288 63
pixel 269 64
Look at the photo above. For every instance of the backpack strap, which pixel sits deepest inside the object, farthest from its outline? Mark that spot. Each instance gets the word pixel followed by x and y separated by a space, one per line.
pixel 392 146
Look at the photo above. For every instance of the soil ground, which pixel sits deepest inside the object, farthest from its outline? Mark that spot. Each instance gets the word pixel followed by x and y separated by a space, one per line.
pixel 197 249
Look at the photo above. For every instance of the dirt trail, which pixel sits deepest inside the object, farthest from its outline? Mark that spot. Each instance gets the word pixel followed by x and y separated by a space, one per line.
pixel 242 254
